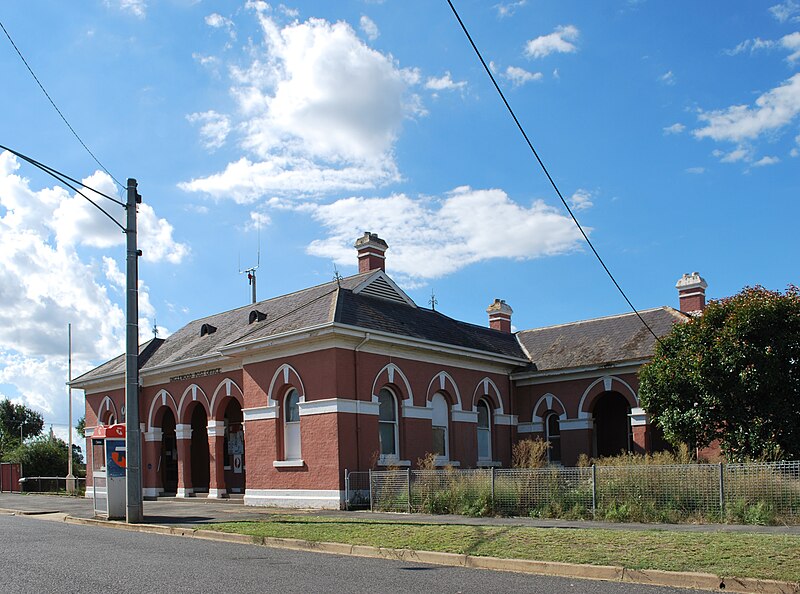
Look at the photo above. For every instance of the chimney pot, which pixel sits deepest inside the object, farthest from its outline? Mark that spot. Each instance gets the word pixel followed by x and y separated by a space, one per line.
pixel 371 250
pixel 692 293
pixel 500 316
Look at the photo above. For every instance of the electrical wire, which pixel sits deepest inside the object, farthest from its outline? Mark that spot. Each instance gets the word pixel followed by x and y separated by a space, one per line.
pixel 41 86
pixel 547 173
pixel 65 179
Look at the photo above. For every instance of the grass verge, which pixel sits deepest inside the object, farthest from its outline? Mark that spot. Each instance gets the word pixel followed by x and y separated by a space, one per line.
pixel 766 556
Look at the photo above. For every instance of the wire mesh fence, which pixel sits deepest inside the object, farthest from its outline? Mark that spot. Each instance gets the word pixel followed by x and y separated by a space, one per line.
pixel 744 493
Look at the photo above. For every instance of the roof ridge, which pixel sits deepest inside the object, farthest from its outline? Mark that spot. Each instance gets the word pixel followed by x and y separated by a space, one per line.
pixel 600 318
pixel 252 305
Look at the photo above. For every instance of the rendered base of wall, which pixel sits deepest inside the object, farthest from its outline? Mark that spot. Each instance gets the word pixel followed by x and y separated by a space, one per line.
pixel 299 498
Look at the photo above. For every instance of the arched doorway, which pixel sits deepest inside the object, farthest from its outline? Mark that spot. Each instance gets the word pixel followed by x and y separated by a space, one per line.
pixel 612 424
pixel 199 451
pixel 233 449
pixel 169 454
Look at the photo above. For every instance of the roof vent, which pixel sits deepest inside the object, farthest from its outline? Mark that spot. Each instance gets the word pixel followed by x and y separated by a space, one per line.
pixel 256 316
pixel 207 329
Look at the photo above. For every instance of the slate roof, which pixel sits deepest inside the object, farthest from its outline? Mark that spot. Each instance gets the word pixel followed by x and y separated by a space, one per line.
pixel 613 339
pixel 322 304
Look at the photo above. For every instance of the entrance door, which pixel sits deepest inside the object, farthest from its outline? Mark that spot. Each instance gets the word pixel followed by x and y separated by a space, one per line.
pixel 612 424
pixel 169 454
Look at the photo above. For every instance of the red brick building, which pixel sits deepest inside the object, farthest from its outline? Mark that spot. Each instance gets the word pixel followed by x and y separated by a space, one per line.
pixel 277 399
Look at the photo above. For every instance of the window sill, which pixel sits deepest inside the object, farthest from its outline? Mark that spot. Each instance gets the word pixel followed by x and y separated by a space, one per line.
pixel 489 464
pixel 441 463
pixel 393 462
pixel 289 463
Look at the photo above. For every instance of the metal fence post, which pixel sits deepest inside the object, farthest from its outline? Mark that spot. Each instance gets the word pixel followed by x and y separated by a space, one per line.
pixel 370 491
pixel 347 489
pixel 721 491
pixel 594 490
pixel 492 470
pixel 408 488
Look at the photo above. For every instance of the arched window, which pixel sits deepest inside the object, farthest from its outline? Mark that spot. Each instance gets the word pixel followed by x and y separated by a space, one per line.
pixel 387 424
pixel 484 431
pixel 441 423
pixel 291 426
pixel 553 435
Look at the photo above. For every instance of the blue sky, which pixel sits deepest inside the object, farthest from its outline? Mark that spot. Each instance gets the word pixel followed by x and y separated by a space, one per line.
pixel 671 128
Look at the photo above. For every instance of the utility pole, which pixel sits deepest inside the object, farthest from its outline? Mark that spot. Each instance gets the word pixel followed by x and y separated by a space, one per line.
pixel 70 476
pixel 133 474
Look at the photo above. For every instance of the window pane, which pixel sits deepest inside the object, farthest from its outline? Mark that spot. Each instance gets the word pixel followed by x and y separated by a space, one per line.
pixel 555 449
pixel 484 444
pixel 483 415
pixel 386 406
pixel 292 407
pixel 439 439
pixel 386 436
pixel 292 441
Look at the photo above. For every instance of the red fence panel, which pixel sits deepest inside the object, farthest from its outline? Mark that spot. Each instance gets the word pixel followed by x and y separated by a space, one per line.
pixel 9 477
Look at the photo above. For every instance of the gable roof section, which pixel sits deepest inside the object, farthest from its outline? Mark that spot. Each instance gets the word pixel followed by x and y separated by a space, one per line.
pixel 382 315
pixel 349 301
pixel 613 339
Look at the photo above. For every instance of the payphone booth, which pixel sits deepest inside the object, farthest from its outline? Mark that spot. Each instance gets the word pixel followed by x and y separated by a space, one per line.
pixel 108 471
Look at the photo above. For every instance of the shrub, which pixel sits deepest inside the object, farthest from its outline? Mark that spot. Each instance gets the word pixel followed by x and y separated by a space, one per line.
pixel 530 453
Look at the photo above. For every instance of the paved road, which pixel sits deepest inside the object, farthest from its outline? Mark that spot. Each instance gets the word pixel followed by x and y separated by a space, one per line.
pixel 45 556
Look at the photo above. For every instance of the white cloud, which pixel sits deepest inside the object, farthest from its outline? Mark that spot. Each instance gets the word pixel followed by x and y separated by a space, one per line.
pixel 772 111
pixel 369 27
pixel 429 238
pixel 766 161
pixel 668 78
pixel 795 150
pixel 675 128
pixel 786 11
pixel 46 283
pixel 318 111
pixel 791 42
pixel 740 153
pixel 76 222
pixel 507 9
pixel 292 13
pixel 444 83
pixel 519 76
pixel 207 61
pixel 559 41
pixel 696 170
pixel 137 8
pixel 751 46
pixel 214 127
pixel 217 21
pixel 581 200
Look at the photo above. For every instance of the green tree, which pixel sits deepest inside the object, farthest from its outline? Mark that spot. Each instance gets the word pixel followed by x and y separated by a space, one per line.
pixel 47 456
pixel 14 417
pixel 733 375
pixel 81 426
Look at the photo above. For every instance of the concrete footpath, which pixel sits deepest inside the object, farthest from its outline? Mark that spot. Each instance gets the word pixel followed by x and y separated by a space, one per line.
pixel 187 517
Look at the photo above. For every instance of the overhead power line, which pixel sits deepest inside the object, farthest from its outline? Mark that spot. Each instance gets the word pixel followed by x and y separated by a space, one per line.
pixel 546 172
pixel 53 103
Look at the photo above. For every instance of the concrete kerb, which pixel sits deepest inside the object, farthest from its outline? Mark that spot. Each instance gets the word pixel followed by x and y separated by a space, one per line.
pixel 676 579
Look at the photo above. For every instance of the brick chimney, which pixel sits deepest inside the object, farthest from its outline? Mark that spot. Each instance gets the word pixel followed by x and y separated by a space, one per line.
pixel 500 316
pixel 692 293
pixel 370 252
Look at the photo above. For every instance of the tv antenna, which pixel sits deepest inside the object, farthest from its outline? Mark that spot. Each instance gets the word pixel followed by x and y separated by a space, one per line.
pixel 251 272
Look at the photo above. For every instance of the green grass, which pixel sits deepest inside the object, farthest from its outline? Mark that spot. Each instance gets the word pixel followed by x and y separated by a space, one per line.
pixel 766 556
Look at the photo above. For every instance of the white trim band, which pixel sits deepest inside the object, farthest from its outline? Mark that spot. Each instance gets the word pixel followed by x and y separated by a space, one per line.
pixel 297 498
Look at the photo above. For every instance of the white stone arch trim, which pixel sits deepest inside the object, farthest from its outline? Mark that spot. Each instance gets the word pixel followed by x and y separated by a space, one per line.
pixel 549 401
pixel 282 377
pixel 391 373
pixel 443 381
pixel 608 382
pixel 486 387
pixel 227 387
pixel 165 399
pixel 193 393
pixel 107 405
